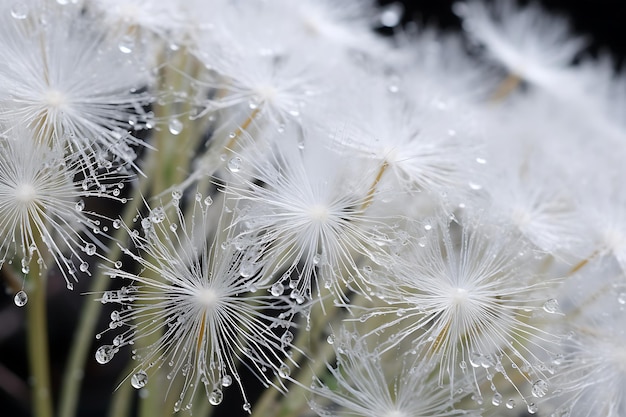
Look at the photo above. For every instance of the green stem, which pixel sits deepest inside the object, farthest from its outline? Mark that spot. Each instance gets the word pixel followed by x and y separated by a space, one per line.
pixel 37 334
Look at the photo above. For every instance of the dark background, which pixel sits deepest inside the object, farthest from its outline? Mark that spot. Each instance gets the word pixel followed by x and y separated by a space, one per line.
pixel 602 20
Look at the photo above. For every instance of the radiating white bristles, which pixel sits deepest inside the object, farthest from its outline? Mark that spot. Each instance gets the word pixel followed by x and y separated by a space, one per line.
pixel 308 215
pixel 467 297
pixel 42 207
pixel 67 82
pixel 365 384
pixel 207 312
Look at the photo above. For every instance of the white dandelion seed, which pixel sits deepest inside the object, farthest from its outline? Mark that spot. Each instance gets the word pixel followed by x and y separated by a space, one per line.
pixel 309 213
pixel 42 206
pixel 468 297
pixel 78 91
pixel 209 316
pixel 364 386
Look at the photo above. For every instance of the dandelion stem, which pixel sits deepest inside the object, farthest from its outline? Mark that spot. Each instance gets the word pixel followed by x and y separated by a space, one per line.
pixel 370 194
pixel 580 265
pixel 244 127
pixel 506 87
pixel 37 334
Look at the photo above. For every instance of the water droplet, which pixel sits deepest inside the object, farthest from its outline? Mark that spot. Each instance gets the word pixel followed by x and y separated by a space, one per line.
pixel 481 161
pixel 175 126
pixel 21 298
pixel 216 396
pixel 539 388
pixel 157 215
pixel 118 264
pixel 90 249
pixel 227 381
pixel 621 298
pixel 117 223
pixel 277 289
pixel 474 186
pixel 247 407
pixel 497 399
pixel 19 11
pixel 286 338
pixel 475 359
pixel 427 227
pixel 80 205
pixel 284 371
pixel 84 267
pixel 208 201
pixel 510 404
pixel 391 15
pixel 173 227
pixel 105 353
pixel 139 379
pixel 177 194
pixel 551 306
pixel 532 408
pixel 330 339
pixel 234 165
pixel 126 44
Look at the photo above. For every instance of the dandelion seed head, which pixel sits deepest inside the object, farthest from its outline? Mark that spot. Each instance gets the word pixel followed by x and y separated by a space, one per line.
pixel 209 298
pixel 26 194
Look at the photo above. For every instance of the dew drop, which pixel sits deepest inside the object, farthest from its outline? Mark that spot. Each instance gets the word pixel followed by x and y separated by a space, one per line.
pixel 118 340
pixel 157 215
pixel 80 205
pixel 551 306
pixel 177 194
pixel 216 396
pixel 391 15
pixel 475 359
pixel 284 371
pixel 330 339
pixel 208 201
pixel 474 186
pixel 117 223
pixel 277 289
pixel 227 381
pixel 247 407
pixel 105 353
pixel 19 11
pixel 90 249
pixel 118 264
pixel 175 126
pixel 84 266
pixel 126 44
pixel 139 380
pixel 539 388
pixel 173 227
pixel 427 227
pixel 286 338
pixel 234 165
pixel 510 404
pixel 497 399
pixel 532 408
pixel 21 298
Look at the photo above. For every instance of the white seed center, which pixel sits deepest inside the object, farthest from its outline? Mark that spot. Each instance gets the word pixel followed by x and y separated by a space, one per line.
pixel 25 193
